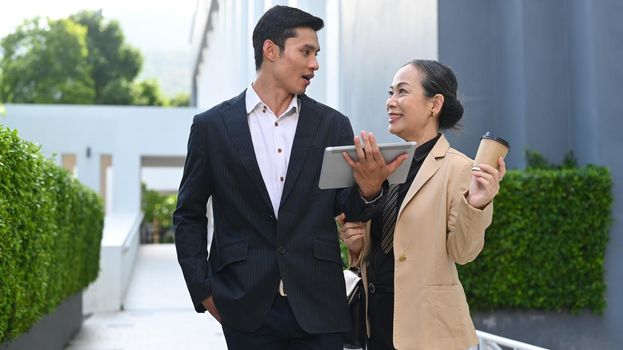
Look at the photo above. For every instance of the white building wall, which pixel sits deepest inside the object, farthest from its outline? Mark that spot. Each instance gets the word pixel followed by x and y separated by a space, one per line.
pixel 362 45
pixel 376 39
pixel 126 133
pixel 227 64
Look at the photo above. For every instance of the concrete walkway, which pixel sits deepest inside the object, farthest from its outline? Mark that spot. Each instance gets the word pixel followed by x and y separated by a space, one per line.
pixel 157 312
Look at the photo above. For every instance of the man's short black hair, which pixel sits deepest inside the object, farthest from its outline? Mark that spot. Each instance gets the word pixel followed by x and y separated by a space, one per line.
pixel 278 24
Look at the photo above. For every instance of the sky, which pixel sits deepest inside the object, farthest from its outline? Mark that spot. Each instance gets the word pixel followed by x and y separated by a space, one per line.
pixel 147 24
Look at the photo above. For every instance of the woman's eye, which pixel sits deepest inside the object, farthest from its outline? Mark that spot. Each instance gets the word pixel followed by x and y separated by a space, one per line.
pixel 390 92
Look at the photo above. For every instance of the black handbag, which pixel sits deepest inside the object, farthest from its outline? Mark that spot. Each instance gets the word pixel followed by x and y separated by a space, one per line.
pixel 355 295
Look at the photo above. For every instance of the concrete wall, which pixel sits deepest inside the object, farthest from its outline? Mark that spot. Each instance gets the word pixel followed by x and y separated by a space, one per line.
pixel 118 255
pixel 546 75
pixel 376 39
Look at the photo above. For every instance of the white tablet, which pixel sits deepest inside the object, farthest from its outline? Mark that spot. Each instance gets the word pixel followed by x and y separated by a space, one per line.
pixel 336 173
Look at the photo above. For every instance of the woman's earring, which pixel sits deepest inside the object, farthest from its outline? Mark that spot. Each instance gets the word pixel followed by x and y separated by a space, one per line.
pixel 432 114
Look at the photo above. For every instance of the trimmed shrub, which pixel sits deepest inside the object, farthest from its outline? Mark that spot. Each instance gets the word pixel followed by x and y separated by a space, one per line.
pixel 157 225
pixel 50 234
pixel 546 246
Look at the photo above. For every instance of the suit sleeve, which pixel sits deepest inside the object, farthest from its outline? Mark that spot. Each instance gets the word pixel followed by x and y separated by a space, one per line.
pixel 189 218
pixel 466 224
pixel 349 200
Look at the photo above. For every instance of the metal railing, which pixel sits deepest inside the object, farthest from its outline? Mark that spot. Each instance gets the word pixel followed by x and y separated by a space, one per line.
pixel 493 342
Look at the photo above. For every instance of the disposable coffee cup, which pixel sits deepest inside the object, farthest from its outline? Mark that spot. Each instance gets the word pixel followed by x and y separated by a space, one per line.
pixel 491 148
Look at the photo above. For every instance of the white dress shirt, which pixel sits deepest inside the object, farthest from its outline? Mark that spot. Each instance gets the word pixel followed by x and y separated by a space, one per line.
pixel 272 138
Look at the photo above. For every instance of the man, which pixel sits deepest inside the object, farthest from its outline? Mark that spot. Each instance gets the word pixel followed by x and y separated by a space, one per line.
pixel 273 278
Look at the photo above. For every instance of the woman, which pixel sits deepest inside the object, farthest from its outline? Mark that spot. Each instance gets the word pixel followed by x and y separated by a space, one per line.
pixel 407 253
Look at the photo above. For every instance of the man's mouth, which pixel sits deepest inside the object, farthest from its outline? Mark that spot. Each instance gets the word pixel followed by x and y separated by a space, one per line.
pixel 308 77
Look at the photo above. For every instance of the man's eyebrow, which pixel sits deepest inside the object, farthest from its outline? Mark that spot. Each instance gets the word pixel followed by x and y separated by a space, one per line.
pixel 311 47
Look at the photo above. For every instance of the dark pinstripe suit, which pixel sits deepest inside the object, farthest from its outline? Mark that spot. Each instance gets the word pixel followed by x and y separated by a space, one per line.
pixel 251 250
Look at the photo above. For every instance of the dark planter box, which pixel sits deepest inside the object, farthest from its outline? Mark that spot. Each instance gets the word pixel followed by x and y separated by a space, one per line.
pixel 52 331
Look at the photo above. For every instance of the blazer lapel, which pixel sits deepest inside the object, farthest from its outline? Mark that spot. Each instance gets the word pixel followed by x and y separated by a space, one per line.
pixel 237 125
pixel 429 168
pixel 309 120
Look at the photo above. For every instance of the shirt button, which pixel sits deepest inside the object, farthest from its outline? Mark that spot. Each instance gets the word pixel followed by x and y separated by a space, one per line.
pixel 281 250
pixel 402 258
pixel 278 150
pixel 264 110
pixel 281 178
pixel 276 124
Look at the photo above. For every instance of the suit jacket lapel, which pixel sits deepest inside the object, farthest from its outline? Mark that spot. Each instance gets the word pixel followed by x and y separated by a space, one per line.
pixel 237 125
pixel 309 120
pixel 429 168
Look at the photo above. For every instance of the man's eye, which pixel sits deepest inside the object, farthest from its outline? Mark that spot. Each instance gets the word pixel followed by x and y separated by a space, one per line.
pixel 390 92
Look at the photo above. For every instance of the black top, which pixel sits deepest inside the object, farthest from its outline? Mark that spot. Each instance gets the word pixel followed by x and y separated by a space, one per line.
pixel 381 265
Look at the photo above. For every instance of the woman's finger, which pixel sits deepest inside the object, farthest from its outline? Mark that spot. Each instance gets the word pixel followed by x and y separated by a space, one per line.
pixel 489 170
pixel 374 149
pixel 340 218
pixel 490 187
pixel 359 149
pixel 502 167
pixel 367 148
pixel 490 177
pixel 351 163
pixel 352 232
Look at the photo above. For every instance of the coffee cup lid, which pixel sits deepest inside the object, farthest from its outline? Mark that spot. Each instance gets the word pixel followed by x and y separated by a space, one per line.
pixel 490 136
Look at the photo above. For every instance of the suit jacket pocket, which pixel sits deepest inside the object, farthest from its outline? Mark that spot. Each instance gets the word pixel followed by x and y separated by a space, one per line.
pixel 446 309
pixel 329 251
pixel 232 252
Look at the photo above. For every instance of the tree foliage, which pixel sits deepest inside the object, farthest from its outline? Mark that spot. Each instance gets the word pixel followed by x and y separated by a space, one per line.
pixel 114 63
pixel 82 59
pixel 45 61
pixel 148 93
pixel 180 100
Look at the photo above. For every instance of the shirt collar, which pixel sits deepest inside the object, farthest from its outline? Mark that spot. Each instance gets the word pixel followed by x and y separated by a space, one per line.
pixel 422 151
pixel 252 101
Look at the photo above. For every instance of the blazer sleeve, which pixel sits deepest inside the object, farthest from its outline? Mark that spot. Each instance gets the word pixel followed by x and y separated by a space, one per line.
pixel 189 219
pixel 466 224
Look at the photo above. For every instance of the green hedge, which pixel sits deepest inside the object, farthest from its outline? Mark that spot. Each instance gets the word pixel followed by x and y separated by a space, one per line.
pixel 50 234
pixel 545 248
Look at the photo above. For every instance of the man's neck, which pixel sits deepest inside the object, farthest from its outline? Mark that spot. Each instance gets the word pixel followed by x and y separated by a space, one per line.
pixel 275 97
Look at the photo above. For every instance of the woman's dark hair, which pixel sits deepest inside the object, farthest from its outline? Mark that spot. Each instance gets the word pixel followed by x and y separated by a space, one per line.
pixel 440 79
pixel 278 24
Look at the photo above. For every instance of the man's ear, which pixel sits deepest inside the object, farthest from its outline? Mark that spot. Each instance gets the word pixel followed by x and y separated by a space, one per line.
pixel 270 50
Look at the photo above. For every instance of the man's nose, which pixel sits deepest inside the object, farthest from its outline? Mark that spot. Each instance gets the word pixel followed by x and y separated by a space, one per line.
pixel 313 63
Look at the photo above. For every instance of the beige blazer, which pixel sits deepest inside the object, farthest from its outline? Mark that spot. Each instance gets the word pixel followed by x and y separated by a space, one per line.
pixel 436 228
